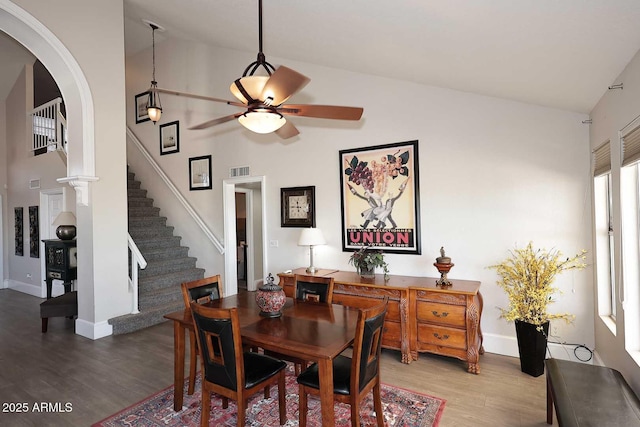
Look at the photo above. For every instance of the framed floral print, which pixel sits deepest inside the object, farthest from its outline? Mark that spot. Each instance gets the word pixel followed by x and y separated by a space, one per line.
pixel 380 199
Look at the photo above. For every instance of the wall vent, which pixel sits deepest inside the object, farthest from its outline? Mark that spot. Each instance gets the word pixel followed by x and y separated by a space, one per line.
pixel 239 171
pixel 34 184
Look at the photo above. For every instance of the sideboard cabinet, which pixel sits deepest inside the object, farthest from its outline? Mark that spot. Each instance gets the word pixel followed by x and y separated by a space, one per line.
pixel 421 316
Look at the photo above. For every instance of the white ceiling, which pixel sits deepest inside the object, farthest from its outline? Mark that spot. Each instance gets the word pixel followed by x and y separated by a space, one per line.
pixel 558 53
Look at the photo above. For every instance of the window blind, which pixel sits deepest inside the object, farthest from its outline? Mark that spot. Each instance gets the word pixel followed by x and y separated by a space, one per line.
pixel 631 147
pixel 602 159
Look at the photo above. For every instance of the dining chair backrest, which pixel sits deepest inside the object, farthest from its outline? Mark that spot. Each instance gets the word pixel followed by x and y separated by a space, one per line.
pixel 201 290
pixel 218 335
pixel 368 345
pixel 314 289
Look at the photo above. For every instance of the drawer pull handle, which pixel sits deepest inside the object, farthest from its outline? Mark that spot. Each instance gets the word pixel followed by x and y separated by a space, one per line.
pixel 444 314
pixel 443 337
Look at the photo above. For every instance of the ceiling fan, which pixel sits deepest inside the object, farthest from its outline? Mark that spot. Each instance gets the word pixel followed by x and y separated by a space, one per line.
pixel 263 98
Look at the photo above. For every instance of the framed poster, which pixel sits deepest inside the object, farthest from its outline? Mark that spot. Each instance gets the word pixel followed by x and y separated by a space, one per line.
pixel 34 232
pixel 19 230
pixel 200 173
pixel 141 107
pixel 380 199
pixel 298 207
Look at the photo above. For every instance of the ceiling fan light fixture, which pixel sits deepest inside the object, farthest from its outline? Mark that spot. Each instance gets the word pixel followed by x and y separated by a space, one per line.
pixel 262 121
pixel 250 86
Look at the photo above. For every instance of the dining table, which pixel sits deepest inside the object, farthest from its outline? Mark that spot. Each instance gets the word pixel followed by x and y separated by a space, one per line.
pixel 309 331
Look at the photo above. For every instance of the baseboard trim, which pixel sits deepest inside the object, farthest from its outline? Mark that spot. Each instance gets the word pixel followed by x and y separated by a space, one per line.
pixel 25 288
pixel 93 331
pixel 508 346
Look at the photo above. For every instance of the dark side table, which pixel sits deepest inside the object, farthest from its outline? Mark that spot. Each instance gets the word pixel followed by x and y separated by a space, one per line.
pixel 61 263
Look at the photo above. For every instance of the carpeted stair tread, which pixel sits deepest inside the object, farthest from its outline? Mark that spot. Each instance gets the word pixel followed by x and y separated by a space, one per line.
pixel 146 211
pixel 139 201
pixel 162 253
pixel 136 193
pixel 134 322
pixel 150 299
pixel 158 267
pixel 147 221
pixel 149 283
pixel 157 242
pixel 150 232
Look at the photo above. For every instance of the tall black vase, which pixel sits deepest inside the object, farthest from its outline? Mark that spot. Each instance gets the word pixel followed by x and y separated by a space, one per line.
pixel 532 345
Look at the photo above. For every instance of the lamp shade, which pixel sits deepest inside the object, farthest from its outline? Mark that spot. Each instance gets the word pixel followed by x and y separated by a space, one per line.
pixel 311 237
pixel 65 218
pixel 262 121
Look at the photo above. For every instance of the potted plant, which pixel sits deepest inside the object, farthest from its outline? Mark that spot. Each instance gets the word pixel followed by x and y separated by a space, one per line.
pixel 527 276
pixel 365 260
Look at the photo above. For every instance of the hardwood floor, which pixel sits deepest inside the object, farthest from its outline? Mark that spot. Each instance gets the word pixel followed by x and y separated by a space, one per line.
pixel 99 378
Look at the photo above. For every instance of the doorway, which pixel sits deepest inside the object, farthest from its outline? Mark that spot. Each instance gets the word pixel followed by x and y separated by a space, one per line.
pixel 249 190
pixel 51 204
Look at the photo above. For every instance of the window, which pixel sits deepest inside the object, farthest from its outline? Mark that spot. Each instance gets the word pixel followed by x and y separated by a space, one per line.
pixel 630 211
pixel 604 236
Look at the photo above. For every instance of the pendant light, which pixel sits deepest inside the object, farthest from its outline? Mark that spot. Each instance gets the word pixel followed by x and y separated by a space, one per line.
pixel 154 107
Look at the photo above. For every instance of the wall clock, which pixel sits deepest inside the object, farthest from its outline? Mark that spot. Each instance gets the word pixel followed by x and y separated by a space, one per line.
pixel 298 207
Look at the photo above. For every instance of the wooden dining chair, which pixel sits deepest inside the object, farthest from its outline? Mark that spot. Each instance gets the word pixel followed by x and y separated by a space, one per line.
pixel 199 291
pixel 353 377
pixel 312 289
pixel 228 370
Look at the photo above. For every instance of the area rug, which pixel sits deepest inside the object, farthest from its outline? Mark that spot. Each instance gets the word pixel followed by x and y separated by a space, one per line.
pixel 402 408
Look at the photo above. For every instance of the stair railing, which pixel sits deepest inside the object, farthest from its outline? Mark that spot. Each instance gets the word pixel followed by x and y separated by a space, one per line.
pixel 136 263
pixel 48 127
pixel 216 242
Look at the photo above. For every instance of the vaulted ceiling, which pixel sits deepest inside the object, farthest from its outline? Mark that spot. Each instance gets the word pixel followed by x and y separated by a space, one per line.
pixel 555 53
pixel 562 54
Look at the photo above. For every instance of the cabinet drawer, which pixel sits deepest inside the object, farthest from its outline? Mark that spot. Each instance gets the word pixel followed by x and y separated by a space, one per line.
pixel 393 307
pixel 438 335
pixel 391 334
pixel 444 314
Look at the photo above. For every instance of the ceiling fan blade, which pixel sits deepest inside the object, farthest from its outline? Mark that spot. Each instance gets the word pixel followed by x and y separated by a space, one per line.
pixel 204 98
pixel 283 83
pixel 288 130
pixel 322 111
pixel 214 122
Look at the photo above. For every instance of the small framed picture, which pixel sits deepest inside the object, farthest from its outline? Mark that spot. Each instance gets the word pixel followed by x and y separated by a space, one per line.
pixel 169 138
pixel 200 173
pixel 298 207
pixel 141 107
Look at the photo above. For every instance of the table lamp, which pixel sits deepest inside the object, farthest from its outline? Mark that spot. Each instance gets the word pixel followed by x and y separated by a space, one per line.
pixel 66 223
pixel 311 237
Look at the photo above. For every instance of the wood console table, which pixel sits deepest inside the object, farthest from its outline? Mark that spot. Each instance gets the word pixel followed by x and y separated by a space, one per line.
pixel 421 316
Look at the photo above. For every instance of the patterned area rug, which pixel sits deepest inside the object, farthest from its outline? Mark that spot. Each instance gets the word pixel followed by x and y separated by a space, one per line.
pixel 402 408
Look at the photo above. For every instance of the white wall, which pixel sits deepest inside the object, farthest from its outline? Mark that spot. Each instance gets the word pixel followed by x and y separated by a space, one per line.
pixel 24 272
pixel 493 173
pixel 614 111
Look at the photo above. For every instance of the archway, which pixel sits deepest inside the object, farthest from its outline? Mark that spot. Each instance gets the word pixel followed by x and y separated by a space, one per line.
pixel 37 38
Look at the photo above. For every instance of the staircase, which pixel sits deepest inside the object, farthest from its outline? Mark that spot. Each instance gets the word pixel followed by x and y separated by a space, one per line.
pixel 168 263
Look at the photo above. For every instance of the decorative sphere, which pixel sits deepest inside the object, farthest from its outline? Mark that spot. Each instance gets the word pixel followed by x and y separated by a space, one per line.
pixel 66 232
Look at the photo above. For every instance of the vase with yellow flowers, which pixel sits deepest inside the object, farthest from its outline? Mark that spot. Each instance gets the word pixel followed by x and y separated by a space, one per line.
pixel 527 277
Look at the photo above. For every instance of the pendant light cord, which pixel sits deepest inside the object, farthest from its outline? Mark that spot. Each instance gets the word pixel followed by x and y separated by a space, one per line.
pixel 153 51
